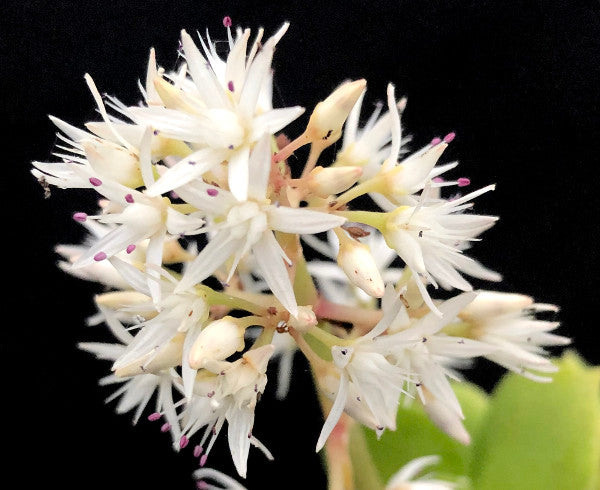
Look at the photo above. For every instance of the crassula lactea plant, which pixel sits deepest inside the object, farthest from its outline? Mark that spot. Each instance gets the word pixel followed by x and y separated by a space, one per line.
pixel 201 234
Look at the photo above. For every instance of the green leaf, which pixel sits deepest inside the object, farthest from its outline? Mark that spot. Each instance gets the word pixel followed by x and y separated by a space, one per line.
pixel 542 436
pixel 417 436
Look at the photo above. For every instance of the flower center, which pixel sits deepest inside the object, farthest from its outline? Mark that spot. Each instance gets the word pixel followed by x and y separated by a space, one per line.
pixel 247 220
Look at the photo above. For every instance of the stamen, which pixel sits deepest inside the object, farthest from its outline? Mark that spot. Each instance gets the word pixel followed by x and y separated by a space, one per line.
pixel 198 451
pixel 437 180
pixel 183 442
pixel 95 181
pixel 130 248
pixel 212 192
pixel 174 195
pixel 201 485
pixel 227 21
pixel 464 181
pixel 99 256
pixel 203 459
pixel 435 141
pixel 165 427
pixel 129 198
pixel 154 416
pixel 449 137
pixel 230 86
pixel 81 217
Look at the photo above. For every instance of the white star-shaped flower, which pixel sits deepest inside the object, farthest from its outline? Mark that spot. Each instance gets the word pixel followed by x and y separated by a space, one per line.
pixel 248 226
pixel 221 118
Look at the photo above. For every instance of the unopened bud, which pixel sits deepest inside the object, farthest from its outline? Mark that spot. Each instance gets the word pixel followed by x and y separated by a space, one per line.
pixel 164 357
pixel 305 319
pixel 174 253
pixel 113 161
pixel 329 116
pixel 358 264
pixel 488 304
pixel 116 300
pixel 411 174
pixel 216 342
pixel 327 181
pixel 259 358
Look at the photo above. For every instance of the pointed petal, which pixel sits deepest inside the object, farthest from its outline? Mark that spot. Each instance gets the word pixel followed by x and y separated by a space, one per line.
pixel 239 433
pixel 210 90
pixel 267 254
pixel 300 220
pixel 259 166
pixel 275 119
pixel 336 411
pixel 185 171
pixel 212 256
pixel 237 173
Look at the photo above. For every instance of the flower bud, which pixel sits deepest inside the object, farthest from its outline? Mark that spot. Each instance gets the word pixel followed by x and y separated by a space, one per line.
pixel 358 264
pixel 327 181
pixel 412 174
pixel 329 115
pixel 117 300
pixel 488 304
pixel 166 356
pixel 259 358
pixel 113 161
pixel 305 319
pixel 217 341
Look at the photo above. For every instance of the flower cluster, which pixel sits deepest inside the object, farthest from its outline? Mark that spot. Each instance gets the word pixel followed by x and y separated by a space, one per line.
pixel 221 258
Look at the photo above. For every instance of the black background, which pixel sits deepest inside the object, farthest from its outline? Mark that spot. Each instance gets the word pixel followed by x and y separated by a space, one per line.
pixel 517 82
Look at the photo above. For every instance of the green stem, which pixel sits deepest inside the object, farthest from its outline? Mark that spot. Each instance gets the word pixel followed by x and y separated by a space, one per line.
pixel 327 338
pixel 364 471
pixel 218 298
pixel 357 191
pixel 304 287
pixel 375 219
pixel 265 338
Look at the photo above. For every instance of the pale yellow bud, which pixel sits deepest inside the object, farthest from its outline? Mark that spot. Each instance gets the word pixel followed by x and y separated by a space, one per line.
pixel 113 161
pixel 410 176
pixel 329 115
pixel 117 300
pixel 174 98
pixel 327 181
pixel 167 356
pixel 305 319
pixel 174 253
pixel 357 262
pixel 259 358
pixel 216 342
pixel 488 304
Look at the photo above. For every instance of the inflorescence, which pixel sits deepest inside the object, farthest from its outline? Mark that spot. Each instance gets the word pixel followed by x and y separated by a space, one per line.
pixel 203 231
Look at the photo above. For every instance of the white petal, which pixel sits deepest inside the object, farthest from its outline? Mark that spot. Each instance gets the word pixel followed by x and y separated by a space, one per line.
pixel 154 253
pixel 186 170
pixel 239 433
pixel 259 166
pixel 267 254
pixel 237 173
pixel 212 256
pixel 336 411
pixel 300 220
pixel 272 121
pixel 204 78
